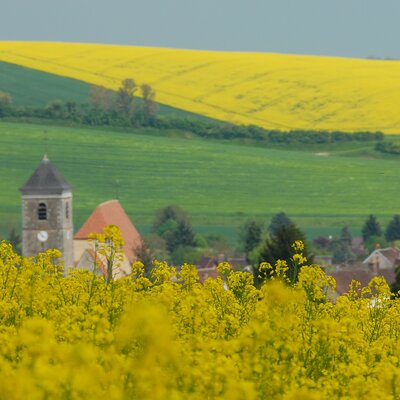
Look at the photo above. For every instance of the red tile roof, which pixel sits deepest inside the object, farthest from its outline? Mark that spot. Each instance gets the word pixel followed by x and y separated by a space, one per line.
pixel 344 277
pixel 112 213
pixel 391 253
pixel 210 272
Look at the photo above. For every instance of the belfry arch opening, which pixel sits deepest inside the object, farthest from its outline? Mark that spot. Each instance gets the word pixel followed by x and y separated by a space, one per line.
pixel 42 211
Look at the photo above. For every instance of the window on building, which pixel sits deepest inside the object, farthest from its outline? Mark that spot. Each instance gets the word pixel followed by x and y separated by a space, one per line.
pixel 67 210
pixel 42 211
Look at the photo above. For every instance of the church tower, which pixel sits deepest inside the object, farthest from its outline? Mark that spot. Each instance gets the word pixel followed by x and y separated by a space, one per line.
pixel 47 213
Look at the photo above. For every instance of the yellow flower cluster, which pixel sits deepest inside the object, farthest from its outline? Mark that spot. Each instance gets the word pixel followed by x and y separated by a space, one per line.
pixel 269 90
pixel 79 337
pixel 109 246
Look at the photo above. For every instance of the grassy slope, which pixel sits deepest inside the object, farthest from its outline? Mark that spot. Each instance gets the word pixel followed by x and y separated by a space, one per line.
pixel 30 87
pixel 271 90
pixel 219 185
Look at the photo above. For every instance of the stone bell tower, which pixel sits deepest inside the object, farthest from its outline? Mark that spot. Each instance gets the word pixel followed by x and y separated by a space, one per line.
pixel 47 213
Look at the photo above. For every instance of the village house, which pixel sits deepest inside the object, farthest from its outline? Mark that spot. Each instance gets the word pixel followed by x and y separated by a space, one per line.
pixel 344 277
pixel 381 262
pixel 382 259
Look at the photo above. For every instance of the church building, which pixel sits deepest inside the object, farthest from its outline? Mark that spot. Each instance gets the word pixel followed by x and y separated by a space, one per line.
pixel 108 213
pixel 47 223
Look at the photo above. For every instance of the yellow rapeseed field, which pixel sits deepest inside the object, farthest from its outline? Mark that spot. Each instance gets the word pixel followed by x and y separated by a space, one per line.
pixel 269 90
pixel 170 337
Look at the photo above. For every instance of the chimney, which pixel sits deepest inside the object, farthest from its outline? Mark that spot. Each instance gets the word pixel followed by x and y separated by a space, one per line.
pixel 375 265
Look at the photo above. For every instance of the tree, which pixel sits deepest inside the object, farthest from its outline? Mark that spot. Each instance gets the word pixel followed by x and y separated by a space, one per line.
pixel 278 246
pixel 393 229
pixel 185 254
pixel 5 104
pixel 101 98
pixel 250 236
pixel 174 227
pixel 345 236
pixel 144 255
pixel 342 251
pixel 149 104
pixel 184 235
pixel 71 109
pixel 375 242
pixel 371 228
pixel 218 241
pixel 157 247
pixel 278 220
pixel 171 212
pixel 15 239
pixel 322 243
pixel 125 96
pixel 395 286
pixel 55 109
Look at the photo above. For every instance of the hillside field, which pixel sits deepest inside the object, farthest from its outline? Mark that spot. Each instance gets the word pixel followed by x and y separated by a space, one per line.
pixel 270 90
pixel 220 185
pixel 30 87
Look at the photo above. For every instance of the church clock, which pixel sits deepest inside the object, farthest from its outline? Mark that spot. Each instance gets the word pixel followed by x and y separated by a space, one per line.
pixel 42 236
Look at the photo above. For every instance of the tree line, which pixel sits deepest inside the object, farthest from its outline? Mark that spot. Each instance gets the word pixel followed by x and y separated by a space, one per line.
pixel 373 236
pixel 103 107
pixel 172 238
pixel 230 131
pixel 388 147
pixel 275 243
pixel 272 245
pixel 123 108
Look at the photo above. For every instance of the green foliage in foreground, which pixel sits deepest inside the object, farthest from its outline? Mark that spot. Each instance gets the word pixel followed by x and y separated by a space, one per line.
pixel 219 185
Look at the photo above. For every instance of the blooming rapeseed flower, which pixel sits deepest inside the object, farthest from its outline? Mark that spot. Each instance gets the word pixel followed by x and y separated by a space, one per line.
pixel 170 337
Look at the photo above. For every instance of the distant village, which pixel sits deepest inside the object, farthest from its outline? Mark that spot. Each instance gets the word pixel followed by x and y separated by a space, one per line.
pixel 47 222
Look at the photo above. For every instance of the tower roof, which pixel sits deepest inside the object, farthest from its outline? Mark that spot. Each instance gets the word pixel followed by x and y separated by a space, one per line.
pixel 45 180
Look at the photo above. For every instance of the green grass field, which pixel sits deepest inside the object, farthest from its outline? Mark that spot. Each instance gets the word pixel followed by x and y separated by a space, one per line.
pixel 219 185
pixel 30 87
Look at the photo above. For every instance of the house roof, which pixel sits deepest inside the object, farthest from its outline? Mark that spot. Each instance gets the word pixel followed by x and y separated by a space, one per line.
pixel 45 180
pixel 392 254
pixel 344 277
pixel 112 213
pixel 209 272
